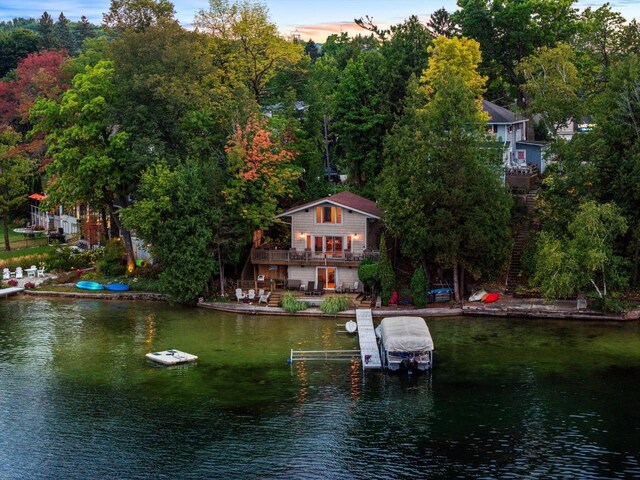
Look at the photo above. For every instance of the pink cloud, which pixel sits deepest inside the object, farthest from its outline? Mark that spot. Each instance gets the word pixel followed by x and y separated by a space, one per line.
pixel 319 32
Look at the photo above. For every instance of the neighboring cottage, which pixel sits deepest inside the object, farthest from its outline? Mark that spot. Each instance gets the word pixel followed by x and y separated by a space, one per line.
pixel 519 152
pixel 329 239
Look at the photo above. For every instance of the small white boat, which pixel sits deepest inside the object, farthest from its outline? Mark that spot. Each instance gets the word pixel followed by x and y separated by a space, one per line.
pixel 405 344
pixel 351 326
pixel 477 296
pixel 171 357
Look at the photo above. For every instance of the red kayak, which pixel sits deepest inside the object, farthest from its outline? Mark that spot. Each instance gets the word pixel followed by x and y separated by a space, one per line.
pixel 491 297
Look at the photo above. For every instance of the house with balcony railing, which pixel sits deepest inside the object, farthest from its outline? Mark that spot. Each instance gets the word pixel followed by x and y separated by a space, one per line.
pixel 329 239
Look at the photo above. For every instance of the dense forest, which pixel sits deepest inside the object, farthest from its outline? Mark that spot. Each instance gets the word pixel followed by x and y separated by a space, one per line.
pixel 194 139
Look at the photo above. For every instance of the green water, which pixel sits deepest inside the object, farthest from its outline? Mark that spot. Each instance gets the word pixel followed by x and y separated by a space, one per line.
pixel 507 398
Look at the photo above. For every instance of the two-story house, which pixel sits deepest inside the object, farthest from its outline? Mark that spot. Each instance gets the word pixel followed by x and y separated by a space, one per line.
pixel 510 130
pixel 329 239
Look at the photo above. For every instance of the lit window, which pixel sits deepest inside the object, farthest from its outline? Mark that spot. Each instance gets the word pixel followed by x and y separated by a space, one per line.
pixel 328 214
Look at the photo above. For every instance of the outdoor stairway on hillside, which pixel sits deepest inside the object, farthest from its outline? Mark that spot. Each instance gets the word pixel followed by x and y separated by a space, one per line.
pixel 522 238
pixel 274 299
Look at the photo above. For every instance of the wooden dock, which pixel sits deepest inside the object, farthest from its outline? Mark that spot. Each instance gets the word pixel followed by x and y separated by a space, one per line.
pixel 369 352
pixel 5 292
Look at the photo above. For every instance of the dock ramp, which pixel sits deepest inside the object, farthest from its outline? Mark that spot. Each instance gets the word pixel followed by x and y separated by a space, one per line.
pixel 369 351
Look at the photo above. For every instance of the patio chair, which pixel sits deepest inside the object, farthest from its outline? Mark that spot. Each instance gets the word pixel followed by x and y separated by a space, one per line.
pixel 358 287
pixel 240 295
pixel 310 288
pixel 40 272
pixel 294 284
pixel 264 298
pixel 251 296
pixel 260 292
pixel 31 271
pixel 6 274
pixel 320 290
pixel 19 273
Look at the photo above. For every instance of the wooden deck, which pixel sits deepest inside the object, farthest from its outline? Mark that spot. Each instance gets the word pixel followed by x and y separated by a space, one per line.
pixel 291 257
pixel 369 352
pixel 5 292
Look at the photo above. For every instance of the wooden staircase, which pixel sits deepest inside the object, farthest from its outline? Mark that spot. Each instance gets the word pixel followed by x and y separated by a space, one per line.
pixel 274 299
pixel 522 238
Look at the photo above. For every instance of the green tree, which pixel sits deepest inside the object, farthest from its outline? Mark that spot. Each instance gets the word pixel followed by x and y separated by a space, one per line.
pixel 14 173
pixel 14 46
pixel 586 257
pixel 255 49
pixel 510 30
pixel 177 203
pixel 441 188
pixel 137 15
pixel 552 86
pixel 441 24
pixel 48 37
pixel 419 287
pixel 88 148
pixel 362 112
pixel 63 33
pixel 387 274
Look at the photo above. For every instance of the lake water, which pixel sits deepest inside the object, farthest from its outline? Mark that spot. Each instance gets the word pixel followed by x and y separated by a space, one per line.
pixel 507 398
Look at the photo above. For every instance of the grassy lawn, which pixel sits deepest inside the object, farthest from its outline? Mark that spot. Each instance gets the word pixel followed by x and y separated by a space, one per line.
pixel 19 241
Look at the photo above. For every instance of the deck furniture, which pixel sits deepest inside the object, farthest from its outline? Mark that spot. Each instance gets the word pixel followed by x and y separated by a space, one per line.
pixel 310 288
pixel 251 296
pixel 264 298
pixel 318 291
pixel 19 273
pixel 240 295
pixel 40 272
pixel 6 274
pixel 31 271
pixel 294 284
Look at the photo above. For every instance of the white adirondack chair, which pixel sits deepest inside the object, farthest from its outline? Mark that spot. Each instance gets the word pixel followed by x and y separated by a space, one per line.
pixel 240 294
pixel 19 272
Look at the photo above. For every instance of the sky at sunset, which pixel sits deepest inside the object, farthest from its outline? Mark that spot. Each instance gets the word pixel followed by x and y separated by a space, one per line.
pixel 315 19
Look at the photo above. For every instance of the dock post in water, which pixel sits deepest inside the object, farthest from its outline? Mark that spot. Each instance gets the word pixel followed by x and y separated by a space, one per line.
pixel 369 351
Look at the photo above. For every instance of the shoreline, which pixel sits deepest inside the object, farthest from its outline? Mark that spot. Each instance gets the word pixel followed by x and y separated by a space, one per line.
pixel 513 308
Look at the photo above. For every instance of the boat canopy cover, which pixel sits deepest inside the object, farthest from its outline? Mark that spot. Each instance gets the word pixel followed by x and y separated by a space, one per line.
pixel 405 334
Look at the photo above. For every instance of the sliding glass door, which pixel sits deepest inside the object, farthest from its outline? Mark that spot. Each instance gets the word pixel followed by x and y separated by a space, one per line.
pixel 327 275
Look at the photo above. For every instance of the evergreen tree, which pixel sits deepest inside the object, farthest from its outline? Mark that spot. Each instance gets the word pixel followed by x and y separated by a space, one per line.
pixel 440 24
pixel 48 37
pixel 63 33
pixel 419 287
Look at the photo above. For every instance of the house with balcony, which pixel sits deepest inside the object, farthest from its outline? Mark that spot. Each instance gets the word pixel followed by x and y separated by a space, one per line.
pixel 523 158
pixel 329 238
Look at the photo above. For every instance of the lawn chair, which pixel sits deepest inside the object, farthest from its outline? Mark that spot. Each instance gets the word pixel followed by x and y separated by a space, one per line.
pixel 320 290
pixel 31 271
pixel 6 274
pixel 40 272
pixel 240 295
pixel 264 298
pixel 358 287
pixel 19 273
pixel 310 288
pixel 294 284
pixel 251 296
pixel 260 292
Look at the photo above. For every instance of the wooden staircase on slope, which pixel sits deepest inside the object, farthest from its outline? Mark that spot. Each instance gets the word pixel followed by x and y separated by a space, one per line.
pixel 522 238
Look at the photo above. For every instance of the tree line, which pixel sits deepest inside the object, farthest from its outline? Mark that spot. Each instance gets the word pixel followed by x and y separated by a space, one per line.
pixel 196 138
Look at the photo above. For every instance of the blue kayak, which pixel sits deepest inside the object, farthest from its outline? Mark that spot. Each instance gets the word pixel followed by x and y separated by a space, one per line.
pixel 117 287
pixel 86 285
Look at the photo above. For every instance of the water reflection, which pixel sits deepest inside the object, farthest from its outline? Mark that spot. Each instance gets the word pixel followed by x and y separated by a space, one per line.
pixel 506 399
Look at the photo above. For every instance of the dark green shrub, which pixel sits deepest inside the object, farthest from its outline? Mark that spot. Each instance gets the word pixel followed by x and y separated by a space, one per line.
pixel 419 287
pixel 291 304
pixel 113 261
pixel 369 274
pixel 387 275
pixel 335 304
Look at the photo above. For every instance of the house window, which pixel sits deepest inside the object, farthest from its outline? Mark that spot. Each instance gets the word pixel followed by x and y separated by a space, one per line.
pixel 349 249
pixel 308 242
pixel 329 246
pixel 328 214
pixel 521 156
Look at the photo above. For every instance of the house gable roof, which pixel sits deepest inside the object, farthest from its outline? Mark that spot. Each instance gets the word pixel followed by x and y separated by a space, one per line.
pixel 347 200
pixel 500 115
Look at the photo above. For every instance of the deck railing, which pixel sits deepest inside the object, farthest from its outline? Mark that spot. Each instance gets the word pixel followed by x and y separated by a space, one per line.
pixel 296 256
